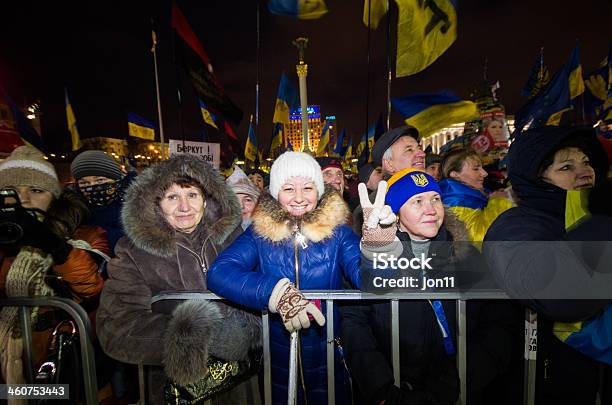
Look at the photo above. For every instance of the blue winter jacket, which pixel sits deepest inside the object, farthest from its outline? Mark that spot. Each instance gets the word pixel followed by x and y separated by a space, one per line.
pixel 247 271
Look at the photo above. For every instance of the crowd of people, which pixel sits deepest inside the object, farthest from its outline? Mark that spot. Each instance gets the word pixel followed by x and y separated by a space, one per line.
pixel 113 241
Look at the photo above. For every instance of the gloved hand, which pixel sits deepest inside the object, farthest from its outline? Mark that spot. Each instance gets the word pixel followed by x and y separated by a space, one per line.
pixel 37 235
pixel 378 219
pixel 290 304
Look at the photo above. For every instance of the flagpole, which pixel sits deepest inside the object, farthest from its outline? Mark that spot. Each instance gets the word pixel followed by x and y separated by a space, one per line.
pixel 389 73
pixel 159 111
pixel 368 76
pixel 257 72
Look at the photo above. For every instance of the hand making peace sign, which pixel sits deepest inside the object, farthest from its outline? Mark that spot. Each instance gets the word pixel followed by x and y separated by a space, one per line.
pixel 378 213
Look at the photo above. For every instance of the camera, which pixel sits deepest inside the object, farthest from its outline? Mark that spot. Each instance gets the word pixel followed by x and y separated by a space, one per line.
pixel 13 217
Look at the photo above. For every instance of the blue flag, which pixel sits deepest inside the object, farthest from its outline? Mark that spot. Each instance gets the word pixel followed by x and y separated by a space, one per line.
pixel 287 99
pixel 340 148
pixel 556 99
pixel 538 78
pixel 302 9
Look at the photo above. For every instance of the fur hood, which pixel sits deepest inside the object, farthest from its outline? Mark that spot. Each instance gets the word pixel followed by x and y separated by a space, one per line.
pixel 142 218
pixel 272 222
pixel 459 233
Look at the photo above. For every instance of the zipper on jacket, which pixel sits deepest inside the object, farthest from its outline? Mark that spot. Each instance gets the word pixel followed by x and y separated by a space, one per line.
pixel 546 363
pixel 200 260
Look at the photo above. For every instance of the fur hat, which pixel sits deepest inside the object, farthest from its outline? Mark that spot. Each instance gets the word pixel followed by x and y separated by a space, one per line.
pixel 26 166
pixel 295 164
pixel 95 163
pixel 407 183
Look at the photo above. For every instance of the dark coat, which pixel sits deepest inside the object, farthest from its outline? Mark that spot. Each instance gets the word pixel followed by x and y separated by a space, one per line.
pixel 154 258
pixel 527 270
pixel 247 271
pixel 426 370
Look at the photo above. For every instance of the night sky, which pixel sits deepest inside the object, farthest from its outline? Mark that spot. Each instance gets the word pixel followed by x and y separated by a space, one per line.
pixel 100 50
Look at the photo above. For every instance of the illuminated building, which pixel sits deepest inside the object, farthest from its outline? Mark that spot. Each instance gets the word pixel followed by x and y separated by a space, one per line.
pixel 315 126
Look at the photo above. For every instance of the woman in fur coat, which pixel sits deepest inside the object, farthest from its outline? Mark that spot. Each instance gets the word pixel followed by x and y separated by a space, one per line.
pixel 178 215
pixel 298 241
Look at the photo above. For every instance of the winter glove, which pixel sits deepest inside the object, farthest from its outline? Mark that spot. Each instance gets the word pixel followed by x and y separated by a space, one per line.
pixel 290 304
pixel 378 220
pixel 37 235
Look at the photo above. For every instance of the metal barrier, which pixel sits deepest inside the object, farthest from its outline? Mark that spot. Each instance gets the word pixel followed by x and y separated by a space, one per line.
pixel 83 326
pixel 331 296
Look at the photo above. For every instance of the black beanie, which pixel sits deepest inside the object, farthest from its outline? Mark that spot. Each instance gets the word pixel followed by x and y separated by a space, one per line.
pixel 95 163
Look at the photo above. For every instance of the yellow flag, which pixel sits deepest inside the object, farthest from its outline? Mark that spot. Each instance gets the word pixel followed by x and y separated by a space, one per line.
pixel 374 10
pixel 72 127
pixel 425 30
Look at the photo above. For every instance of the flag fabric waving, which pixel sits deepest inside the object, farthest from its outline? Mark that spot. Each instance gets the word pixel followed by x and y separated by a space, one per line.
pixel 302 9
pixel 556 99
pixel 250 149
pixel 287 99
pixel 277 142
pixel 374 11
pixel 207 116
pixel 71 121
pixel 140 127
pixel 425 30
pixel 430 112
pixel 340 148
pixel 16 128
pixel 538 78
pixel 324 139
pixel 198 67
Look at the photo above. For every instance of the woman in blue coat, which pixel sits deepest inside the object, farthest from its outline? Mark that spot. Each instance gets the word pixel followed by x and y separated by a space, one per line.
pixel 298 241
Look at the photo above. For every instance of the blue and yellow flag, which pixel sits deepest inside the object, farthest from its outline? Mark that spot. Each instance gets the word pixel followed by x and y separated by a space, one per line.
pixel 425 30
pixel 324 139
pixel 364 153
pixel 250 149
pixel 598 90
pixel 430 112
pixel 72 126
pixel 287 99
pixel 140 127
pixel 361 145
pixel 538 78
pixel 302 9
pixel 349 149
pixel 556 99
pixel 340 148
pixel 278 141
pixel 208 117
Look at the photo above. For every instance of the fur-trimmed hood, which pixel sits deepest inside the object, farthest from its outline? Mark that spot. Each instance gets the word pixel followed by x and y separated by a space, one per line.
pixel 459 233
pixel 144 223
pixel 275 224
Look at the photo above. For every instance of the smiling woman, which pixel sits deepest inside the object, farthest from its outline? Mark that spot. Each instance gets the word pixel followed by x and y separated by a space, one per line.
pixel 183 205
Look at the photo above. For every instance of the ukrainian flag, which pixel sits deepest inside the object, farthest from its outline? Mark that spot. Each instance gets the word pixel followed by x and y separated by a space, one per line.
pixel 278 140
pixel 361 145
pixel 539 77
pixel 598 91
pixel 430 112
pixel 556 99
pixel 302 9
pixel 324 140
pixel 208 117
pixel 425 30
pixel 140 127
pixel 349 149
pixel 72 126
pixel 287 99
pixel 340 149
pixel 250 149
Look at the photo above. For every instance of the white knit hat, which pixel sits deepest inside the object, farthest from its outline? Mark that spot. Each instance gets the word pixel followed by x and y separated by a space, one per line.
pixel 294 164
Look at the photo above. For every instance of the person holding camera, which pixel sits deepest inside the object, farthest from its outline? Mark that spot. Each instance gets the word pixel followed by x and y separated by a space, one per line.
pixel 44 251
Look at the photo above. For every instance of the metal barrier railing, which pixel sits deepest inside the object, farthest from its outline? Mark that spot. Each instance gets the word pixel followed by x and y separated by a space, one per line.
pixel 83 325
pixel 330 296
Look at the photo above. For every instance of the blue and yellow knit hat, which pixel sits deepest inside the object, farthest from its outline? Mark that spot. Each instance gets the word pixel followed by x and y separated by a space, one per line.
pixel 407 183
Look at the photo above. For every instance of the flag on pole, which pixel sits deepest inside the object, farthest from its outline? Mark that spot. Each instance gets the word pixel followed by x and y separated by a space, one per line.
pixel 340 148
pixel 349 149
pixel 556 99
pixel 287 99
pixel 72 126
pixel 140 127
pixel 374 11
pixel 324 139
pixel 277 142
pixel 208 117
pixel 250 149
pixel 365 146
pixel 302 9
pixel 538 78
pixel 425 30
pixel 430 112
pixel 198 67
pixel 598 90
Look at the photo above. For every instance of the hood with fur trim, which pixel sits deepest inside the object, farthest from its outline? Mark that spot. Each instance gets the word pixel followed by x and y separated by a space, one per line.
pixel 142 218
pixel 273 222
